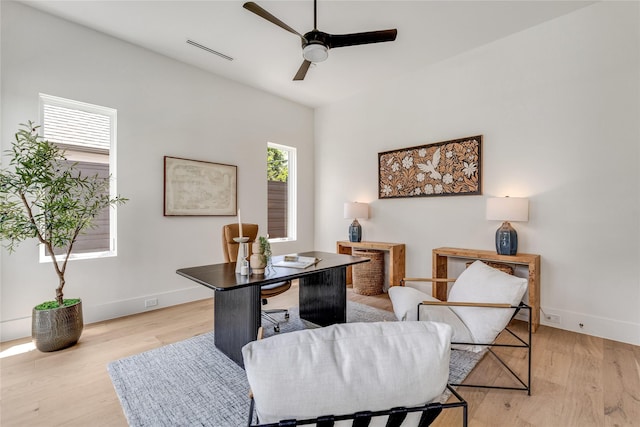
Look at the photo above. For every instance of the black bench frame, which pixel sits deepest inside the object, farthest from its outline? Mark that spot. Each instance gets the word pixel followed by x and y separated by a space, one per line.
pixel 430 412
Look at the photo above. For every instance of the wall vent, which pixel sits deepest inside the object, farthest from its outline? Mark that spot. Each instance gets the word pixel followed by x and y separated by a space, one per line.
pixel 208 49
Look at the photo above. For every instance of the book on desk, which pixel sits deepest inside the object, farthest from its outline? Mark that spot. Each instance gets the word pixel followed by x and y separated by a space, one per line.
pixel 295 261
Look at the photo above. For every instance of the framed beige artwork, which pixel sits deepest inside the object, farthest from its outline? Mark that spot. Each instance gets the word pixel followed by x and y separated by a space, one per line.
pixel 199 188
pixel 448 168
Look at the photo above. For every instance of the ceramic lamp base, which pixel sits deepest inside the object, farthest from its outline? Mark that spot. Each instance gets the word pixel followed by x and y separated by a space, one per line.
pixel 355 231
pixel 506 240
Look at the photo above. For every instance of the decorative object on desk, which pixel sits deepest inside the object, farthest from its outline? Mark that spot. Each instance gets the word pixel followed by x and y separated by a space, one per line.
pixel 231 250
pixel 356 210
pixel 261 255
pixel 45 196
pixel 296 261
pixel 449 168
pixel 242 264
pixel 507 209
pixel 240 224
pixel 198 188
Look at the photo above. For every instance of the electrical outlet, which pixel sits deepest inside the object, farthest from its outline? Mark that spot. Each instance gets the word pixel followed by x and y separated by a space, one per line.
pixel 150 302
pixel 552 318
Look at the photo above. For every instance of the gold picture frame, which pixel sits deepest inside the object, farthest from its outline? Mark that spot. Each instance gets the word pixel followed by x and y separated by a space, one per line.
pixel 199 188
pixel 448 168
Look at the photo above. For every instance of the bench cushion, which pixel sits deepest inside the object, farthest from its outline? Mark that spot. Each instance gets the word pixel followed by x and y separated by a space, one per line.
pixel 346 368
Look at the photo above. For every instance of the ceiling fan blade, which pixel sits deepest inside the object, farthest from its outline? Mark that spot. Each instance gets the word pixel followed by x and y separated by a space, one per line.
pixel 253 7
pixel 341 40
pixel 302 71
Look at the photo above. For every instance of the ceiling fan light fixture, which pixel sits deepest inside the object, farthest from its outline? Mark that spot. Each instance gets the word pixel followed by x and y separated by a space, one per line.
pixel 315 52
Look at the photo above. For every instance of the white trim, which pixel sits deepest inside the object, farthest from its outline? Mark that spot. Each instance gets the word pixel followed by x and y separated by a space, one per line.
pixel 292 189
pixel 70 103
pixel 112 113
pixel 16 328
pixel 597 326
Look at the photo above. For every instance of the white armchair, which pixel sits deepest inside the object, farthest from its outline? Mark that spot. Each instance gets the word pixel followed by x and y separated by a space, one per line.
pixel 479 308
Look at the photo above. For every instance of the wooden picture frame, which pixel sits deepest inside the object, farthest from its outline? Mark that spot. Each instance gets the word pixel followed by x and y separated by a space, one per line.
pixel 448 168
pixel 199 188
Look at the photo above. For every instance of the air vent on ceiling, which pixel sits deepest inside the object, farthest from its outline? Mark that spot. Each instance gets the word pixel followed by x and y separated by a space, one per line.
pixel 208 49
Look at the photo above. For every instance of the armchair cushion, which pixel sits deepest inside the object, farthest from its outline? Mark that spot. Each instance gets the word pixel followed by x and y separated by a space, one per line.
pixel 405 302
pixel 346 368
pixel 483 284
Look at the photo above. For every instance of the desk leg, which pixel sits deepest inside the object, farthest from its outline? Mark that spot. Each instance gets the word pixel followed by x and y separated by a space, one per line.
pixel 236 320
pixel 323 297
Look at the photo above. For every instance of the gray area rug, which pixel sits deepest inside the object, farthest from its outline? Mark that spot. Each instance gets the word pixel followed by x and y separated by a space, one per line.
pixel 191 383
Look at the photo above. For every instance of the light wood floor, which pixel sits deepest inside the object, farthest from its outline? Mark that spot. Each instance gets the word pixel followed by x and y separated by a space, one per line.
pixel 577 380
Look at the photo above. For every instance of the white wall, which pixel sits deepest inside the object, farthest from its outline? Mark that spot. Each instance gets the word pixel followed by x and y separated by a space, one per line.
pixel 164 108
pixel 558 106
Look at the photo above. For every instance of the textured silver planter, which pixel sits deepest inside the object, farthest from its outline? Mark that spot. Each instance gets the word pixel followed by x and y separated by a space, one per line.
pixel 57 328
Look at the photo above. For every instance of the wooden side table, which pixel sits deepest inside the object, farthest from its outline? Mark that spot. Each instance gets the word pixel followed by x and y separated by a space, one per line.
pixel 442 255
pixel 396 257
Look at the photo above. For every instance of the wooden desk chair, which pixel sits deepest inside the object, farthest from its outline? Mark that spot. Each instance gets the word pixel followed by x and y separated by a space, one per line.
pixel 230 250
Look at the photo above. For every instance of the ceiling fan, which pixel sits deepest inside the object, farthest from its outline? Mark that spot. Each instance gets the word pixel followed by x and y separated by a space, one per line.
pixel 316 44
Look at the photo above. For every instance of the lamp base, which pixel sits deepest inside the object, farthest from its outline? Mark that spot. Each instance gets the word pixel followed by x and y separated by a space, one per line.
pixel 506 240
pixel 355 231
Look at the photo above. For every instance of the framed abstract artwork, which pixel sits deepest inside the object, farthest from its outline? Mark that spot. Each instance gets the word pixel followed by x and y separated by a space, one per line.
pixel 199 188
pixel 448 168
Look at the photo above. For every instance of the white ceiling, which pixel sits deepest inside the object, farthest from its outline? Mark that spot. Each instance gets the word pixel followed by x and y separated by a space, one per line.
pixel 267 57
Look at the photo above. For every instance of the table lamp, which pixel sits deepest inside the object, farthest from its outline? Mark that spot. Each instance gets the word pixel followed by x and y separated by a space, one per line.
pixel 507 209
pixel 356 210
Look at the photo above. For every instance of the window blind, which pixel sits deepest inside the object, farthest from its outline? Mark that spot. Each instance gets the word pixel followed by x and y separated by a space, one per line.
pixel 82 129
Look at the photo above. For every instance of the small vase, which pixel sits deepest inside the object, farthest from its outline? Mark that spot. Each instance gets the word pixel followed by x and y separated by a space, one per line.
pixel 257 260
pixel 242 262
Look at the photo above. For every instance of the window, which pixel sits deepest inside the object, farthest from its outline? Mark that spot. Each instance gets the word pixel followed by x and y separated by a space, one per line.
pixel 281 181
pixel 87 133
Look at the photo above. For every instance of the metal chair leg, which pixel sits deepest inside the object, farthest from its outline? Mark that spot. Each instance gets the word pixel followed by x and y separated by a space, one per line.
pixel 266 313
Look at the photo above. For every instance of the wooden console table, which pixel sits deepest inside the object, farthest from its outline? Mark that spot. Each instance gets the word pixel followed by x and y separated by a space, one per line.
pixel 396 257
pixel 441 256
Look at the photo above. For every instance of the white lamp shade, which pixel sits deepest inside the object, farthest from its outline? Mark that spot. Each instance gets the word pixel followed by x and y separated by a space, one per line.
pixel 508 209
pixel 353 210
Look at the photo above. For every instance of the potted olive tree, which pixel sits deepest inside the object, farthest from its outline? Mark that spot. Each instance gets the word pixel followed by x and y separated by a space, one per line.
pixel 44 196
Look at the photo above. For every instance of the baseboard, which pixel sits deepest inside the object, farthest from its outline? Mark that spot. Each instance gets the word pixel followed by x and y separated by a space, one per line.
pixel 15 328
pixel 616 330
pixel 612 329
pixel 21 328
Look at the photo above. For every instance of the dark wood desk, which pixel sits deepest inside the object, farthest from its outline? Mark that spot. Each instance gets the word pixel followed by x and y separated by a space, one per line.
pixel 322 296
